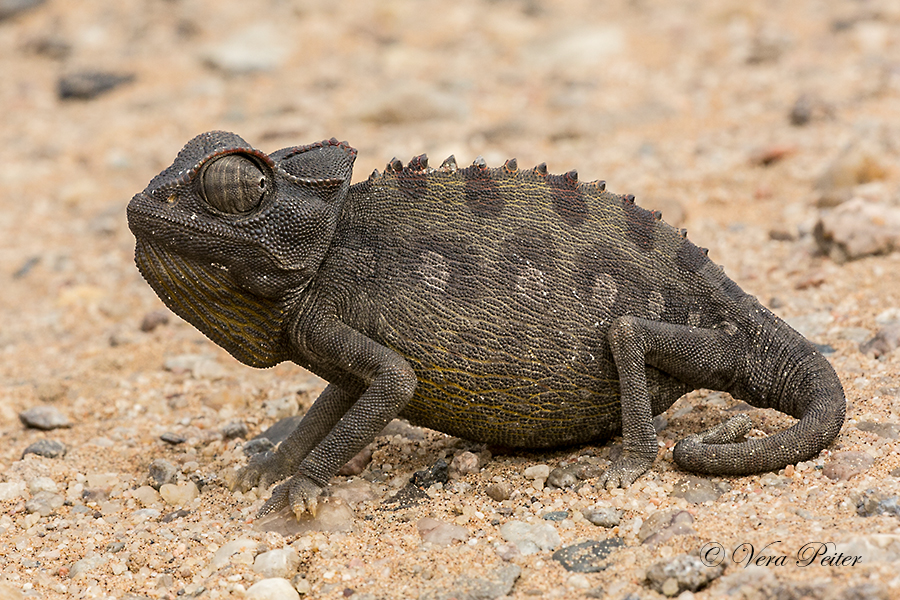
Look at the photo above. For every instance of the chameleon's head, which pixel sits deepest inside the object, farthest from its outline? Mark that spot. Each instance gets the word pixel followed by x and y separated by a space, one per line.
pixel 227 235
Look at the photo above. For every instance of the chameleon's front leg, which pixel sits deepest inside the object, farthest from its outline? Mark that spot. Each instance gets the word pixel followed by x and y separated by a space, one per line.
pixel 266 468
pixel 390 383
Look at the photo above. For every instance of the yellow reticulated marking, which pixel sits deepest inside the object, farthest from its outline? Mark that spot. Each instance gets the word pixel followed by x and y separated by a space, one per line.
pixel 239 322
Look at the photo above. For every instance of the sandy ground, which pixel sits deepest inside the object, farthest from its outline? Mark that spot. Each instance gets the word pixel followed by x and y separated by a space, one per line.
pixel 686 105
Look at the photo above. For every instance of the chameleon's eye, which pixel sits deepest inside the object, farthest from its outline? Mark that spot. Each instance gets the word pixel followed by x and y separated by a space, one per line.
pixel 233 184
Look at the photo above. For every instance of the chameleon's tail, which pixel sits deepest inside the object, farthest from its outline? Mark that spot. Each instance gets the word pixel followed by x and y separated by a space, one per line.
pixel 810 390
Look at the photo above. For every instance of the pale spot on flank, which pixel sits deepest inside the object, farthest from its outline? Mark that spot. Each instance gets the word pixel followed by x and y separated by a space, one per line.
pixel 656 304
pixel 605 291
pixel 530 283
pixel 434 270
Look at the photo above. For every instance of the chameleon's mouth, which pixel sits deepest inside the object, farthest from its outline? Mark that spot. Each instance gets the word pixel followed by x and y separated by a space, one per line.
pixel 247 326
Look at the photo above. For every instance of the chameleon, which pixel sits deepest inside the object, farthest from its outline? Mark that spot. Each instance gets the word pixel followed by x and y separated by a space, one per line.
pixel 507 306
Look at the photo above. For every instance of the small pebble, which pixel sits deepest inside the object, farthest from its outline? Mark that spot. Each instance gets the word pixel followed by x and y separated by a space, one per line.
pixel 281 408
pixel 274 588
pixel 663 525
pixel 507 550
pixel 179 495
pixel 154 319
pixel 556 515
pixel 46 448
pixel 564 477
pixel 493 583
pixel 603 516
pixel 858 228
pixel 235 429
pixel 698 490
pixel 587 557
pixel 844 465
pixel 85 565
pixel 530 538
pixel 162 472
pixel 463 464
pixel 885 341
pixel 87 85
pixel 683 572
pixel 875 502
pixel 42 484
pixel 440 533
pixel 172 438
pixel 44 503
pixel 537 472
pixel 43 417
pixel 499 491
pixel 282 562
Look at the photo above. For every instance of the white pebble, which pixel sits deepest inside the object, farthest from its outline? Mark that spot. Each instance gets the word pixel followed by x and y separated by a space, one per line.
pixel 12 490
pixel 179 495
pixel 537 472
pixel 42 484
pixel 282 562
pixel 275 588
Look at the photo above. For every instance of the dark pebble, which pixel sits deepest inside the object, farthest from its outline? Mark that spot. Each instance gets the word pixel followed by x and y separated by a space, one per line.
pixel 86 85
pixel 801 112
pixel 235 429
pixel 556 515
pixel 874 502
pixel 587 557
pixel 438 473
pixel 162 472
pixel 167 518
pixel 8 8
pixel 172 438
pixel 257 445
pixel 154 319
pixel 26 267
pixel 46 448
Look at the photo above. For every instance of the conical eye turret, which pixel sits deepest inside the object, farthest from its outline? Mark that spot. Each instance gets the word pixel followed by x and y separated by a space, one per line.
pixel 233 184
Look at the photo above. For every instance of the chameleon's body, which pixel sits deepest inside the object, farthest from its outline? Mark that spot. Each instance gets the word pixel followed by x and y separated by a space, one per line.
pixel 512 307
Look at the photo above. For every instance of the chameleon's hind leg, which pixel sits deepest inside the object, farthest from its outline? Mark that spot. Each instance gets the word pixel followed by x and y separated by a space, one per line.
pixel 700 358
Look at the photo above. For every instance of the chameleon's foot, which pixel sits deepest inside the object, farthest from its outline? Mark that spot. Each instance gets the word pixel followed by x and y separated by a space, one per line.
pixel 624 471
pixel 299 492
pixel 263 470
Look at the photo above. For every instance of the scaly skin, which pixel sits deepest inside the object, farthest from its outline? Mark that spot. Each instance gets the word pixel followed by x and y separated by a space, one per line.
pixel 510 307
